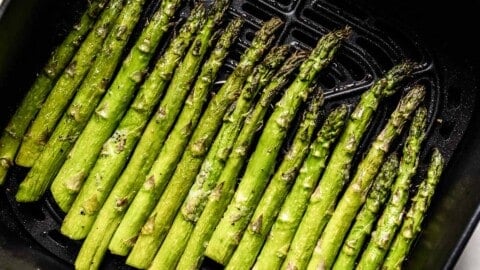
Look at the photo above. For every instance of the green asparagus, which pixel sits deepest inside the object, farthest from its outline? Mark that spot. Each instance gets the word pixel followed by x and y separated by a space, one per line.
pixel 261 164
pixel 111 213
pixel 337 171
pixel 355 194
pixel 81 108
pixel 112 107
pixel 162 169
pixel 41 87
pixel 274 196
pixel 252 239
pixel 188 167
pixel 220 196
pixel 274 249
pixel 411 226
pixel 392 216
pixel 115 152
pixel 171 249
pixel 367 217
pixel 67 84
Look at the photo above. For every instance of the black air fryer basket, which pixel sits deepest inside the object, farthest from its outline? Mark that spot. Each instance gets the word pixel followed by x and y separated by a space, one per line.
pixel 438 36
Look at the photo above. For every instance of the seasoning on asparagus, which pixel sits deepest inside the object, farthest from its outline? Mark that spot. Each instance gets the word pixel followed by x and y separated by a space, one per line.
pixel 392 216
pixel 113 105
pixel 412 224
pixel 261 164
pixel 184 175
pixel 337 171
pixel 367 217
pixel 245 253
pixel 274 196
pixel 204 222
pixel 111 213
pixel 171 249
pixel 283 229
pixel 64 89
pixel 160 172
pixel 355 194
pixel 81 108
pixel 115 152
pixel 17 126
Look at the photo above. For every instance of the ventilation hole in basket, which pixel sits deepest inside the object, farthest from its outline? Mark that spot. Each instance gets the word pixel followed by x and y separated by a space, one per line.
pixel 381 57
pixel 409 47
pixel 320 19
pixel 453 97
pixel 342 5
pixel 304 37
pixel 446 129
pixel 256 12
pixel 354 68
pixel 327 80
pixel 33 210
pixel 249 35
pixel 59 238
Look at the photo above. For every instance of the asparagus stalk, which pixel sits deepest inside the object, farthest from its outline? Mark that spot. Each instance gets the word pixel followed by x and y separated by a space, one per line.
pixel 111 213
pixel 367 217
pixel 64 89
pixel 411 226
pixel 94 84
pixel 337 171
pixel 115 152
pixel 355 194
pixel 81 108
pixel 41 87
pixel 281 232
pixel 220 196
pixel 268 208
pixel 171 248
pixel 261 164
pixel 252 239
pixel 189 165
pixel 392 216
pixel 163 167
pixel 112 107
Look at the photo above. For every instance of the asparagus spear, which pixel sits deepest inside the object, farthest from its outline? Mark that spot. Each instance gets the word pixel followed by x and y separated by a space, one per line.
pixel 279 236
pixel 392 216
pixel 367 217
pixel 259 169
pixel 41 87
pixel 220 196
pixel 111 213
pixel 337 171
pixel 64 89
pixel 268 208
pixel 115 152
pixel 74 120
pixel 171 249
pixel 355 194
pixel 411 226
pixel 250 243
pixel 102 70
pixel 163 167
pixel 189 165
pixel 112 106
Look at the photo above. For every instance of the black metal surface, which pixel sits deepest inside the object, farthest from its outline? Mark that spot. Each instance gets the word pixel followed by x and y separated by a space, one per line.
pixel 384 34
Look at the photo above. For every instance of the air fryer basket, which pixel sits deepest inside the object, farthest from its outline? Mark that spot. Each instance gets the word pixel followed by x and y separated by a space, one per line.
pixel 384 34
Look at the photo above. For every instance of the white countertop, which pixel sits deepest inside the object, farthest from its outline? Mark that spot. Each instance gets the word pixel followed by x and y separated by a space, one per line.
pixel 470 258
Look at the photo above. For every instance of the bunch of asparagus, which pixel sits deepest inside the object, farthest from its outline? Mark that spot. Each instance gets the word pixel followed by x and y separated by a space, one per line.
pixel 149 162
